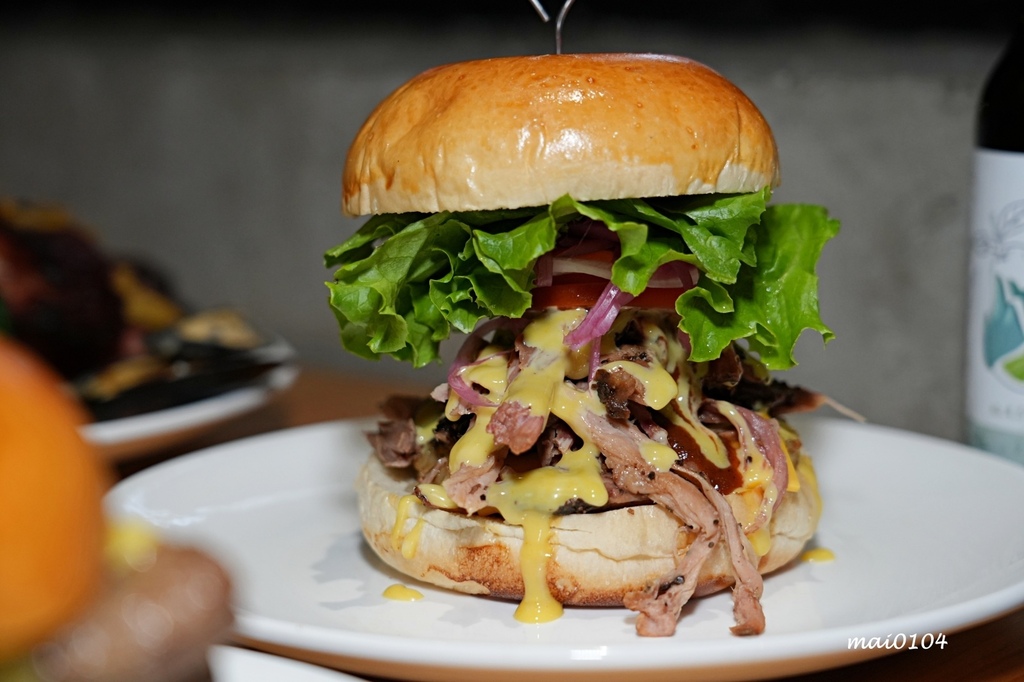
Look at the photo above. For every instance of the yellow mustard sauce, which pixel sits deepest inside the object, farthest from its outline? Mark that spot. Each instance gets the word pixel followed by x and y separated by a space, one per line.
pixel 402 510
pixel 476 444
pixel 425 423
pixel 530 499
pixel 659 386
pixel 537 605
pixel 436 495
pixel 130 545
pixel 402 593
pixel 658 455
pixel 577 475
pixel 491 374
pixel 537 381
pixel 411 542
pixel 793 484
pixel 761 540
pixel 818 555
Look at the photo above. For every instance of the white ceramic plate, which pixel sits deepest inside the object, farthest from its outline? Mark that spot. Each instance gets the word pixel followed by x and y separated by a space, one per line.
pixel 926 534
pixel 231 664
pixel 130 436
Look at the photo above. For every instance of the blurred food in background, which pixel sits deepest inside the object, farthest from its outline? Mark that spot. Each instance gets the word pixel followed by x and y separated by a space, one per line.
pixel 57 288
pixel 113 327
pixel 198 356
pixel 80 598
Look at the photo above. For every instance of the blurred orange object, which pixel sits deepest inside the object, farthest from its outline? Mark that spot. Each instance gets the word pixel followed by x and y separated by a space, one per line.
pixel 51 490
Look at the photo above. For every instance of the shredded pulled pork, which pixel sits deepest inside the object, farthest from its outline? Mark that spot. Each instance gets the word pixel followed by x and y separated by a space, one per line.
pixel 729 403
pixel 617 390
pixel 515 426
pixel 467 486
pixel 660 604
pixel 395 439
pixel 749 584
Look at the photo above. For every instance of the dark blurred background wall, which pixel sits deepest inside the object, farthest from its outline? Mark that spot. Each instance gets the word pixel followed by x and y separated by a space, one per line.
pixel 209 138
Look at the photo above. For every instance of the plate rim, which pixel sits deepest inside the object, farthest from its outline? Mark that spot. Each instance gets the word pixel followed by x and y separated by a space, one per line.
pixel 630 656
pixel 793 652
pixel 227 661
pixel 190 417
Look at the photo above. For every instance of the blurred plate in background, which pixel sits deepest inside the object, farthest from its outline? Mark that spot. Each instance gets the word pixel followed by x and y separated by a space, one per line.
pixel 128 437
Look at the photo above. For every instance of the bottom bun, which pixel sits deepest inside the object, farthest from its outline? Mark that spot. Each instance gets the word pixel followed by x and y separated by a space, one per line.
pixel 597 558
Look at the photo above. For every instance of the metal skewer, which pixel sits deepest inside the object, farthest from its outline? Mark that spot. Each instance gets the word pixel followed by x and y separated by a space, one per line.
pixel 540 10
pixel 558 22
pixel 558 25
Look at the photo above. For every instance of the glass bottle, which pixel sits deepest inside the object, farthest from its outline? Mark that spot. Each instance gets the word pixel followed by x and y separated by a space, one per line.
pixel 995 316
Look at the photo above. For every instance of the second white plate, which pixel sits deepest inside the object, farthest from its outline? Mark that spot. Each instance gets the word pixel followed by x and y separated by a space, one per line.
pixel 926 534
pixel 119 439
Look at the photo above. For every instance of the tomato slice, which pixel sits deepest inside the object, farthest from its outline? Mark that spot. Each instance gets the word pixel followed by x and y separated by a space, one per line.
pixel 567 295
pixel 658 298
pixel 582 291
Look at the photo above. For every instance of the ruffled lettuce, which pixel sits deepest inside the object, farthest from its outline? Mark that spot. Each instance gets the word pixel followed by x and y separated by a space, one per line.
pixel 403 282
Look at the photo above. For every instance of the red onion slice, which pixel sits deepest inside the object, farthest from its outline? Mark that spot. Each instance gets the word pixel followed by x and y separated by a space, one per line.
pixel 544 271
pixel 600 317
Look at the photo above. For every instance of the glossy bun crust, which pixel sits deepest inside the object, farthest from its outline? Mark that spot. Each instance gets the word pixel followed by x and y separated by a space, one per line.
pixel 597 558
pixel 524 131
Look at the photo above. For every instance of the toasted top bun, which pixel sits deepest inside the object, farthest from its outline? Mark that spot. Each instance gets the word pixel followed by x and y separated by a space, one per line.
pixel 597 558
pixel 524 131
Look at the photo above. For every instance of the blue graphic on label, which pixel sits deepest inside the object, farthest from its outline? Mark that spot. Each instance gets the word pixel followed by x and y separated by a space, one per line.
pixel 1003 334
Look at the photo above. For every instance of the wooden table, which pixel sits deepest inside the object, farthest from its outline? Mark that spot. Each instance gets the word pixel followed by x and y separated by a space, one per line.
pixel 993 651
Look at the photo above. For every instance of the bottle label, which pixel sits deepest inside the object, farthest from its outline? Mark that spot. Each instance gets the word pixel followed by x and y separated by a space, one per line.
pixel 995 315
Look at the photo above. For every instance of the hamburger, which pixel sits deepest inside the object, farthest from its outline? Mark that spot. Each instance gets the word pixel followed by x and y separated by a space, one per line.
pixel 599 227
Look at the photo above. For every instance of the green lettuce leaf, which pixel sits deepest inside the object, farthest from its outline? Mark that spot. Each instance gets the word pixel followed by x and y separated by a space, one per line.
pixel 402 282
pixel 770 304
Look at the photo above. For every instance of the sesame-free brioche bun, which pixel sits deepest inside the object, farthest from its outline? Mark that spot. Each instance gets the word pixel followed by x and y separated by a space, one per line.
pixel 597 558
pixel 523 131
